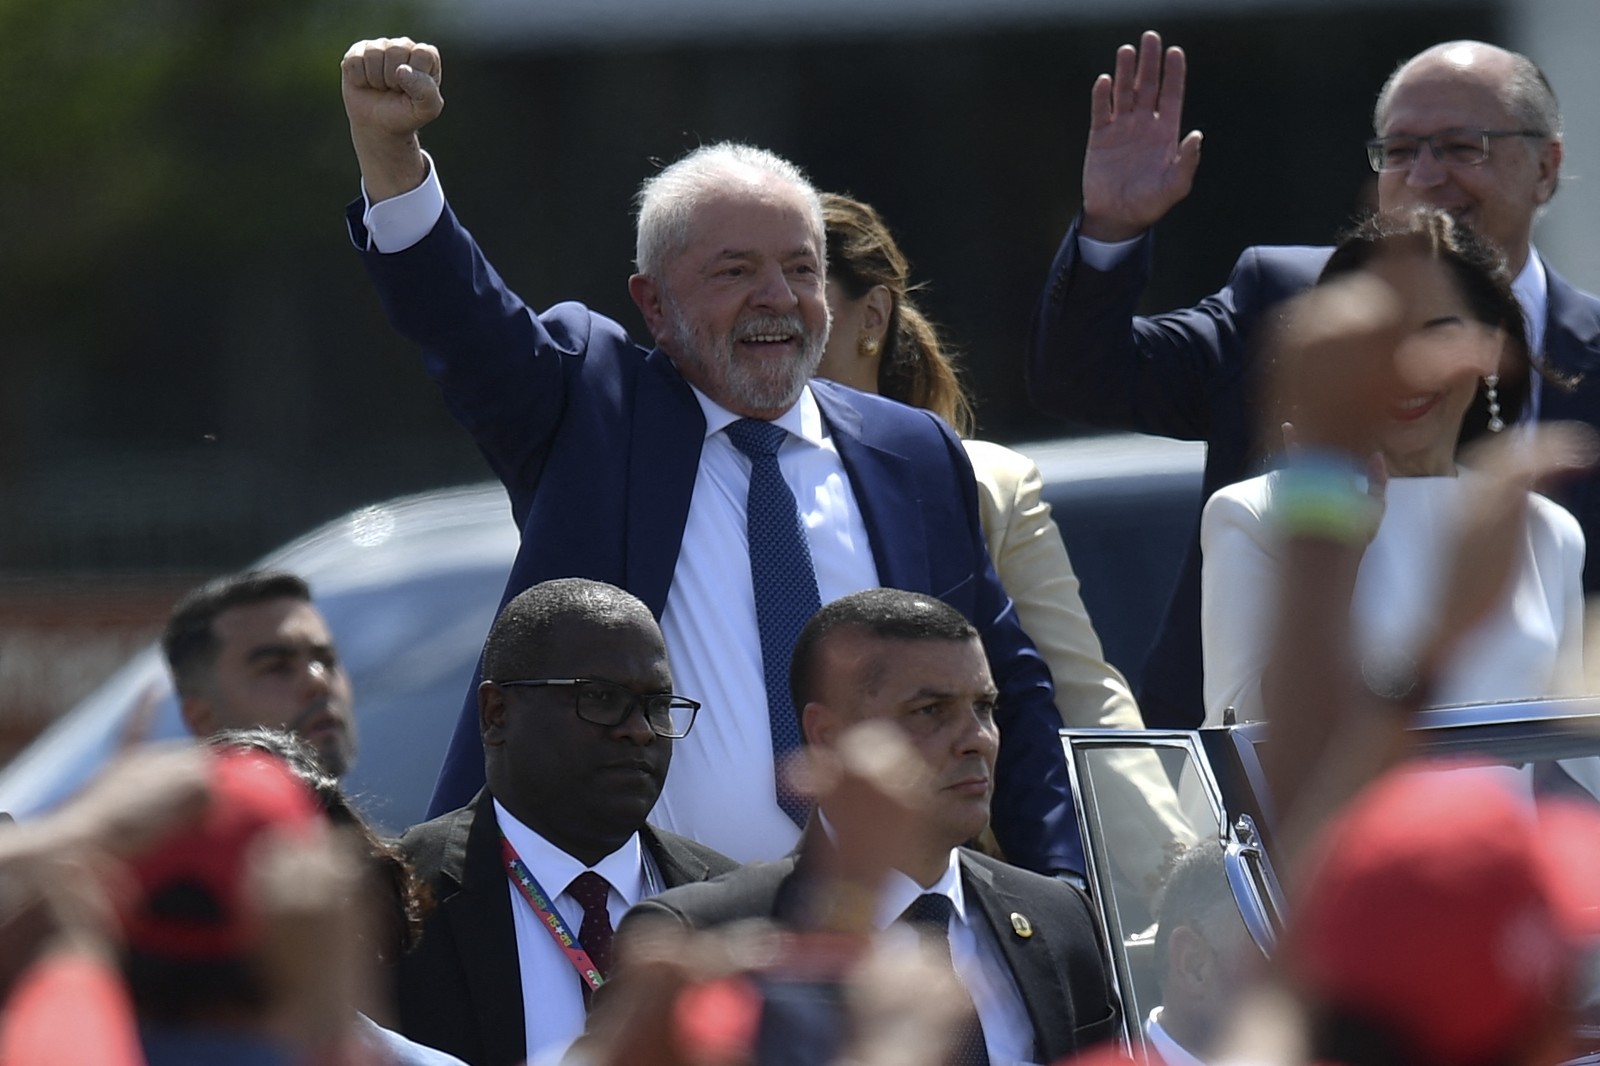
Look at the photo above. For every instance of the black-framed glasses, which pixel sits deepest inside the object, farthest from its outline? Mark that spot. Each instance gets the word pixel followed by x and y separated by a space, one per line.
pixel 609 704
pixel 1463 147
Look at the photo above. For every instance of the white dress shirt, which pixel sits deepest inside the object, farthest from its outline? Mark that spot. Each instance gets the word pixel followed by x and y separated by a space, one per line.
pixel 395 224
pixel 976 956
pixel 722 789
pixel 1532 290
pixel 552 992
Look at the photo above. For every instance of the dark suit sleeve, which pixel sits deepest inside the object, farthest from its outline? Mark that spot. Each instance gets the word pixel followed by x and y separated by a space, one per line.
pixel 1094 360
pixel 506 374
pixel 503 370
pixel 433 995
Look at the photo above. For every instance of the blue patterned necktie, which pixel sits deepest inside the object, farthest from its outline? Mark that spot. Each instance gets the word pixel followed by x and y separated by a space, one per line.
pixel 785 583
pixel 929 914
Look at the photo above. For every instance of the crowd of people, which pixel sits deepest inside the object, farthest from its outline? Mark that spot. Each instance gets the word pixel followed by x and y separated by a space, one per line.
pixel 761 764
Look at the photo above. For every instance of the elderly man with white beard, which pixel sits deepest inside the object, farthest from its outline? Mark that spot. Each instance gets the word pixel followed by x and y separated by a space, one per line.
pixel 707 475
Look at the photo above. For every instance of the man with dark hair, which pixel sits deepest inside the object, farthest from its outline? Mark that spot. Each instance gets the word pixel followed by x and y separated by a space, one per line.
pixel 1463 126
pixel 251 650
pixel 1024 946
pixel 578 719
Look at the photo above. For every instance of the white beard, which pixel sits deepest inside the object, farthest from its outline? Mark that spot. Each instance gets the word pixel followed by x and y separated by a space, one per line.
pixel 751 384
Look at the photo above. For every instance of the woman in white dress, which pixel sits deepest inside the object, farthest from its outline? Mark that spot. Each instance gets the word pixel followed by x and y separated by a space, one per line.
pixel 1459 312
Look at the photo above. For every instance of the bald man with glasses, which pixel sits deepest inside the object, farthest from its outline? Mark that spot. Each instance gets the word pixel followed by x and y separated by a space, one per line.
pixel 1463 126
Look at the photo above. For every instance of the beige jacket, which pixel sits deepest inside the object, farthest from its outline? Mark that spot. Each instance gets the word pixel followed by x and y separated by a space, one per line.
pixel 1142 818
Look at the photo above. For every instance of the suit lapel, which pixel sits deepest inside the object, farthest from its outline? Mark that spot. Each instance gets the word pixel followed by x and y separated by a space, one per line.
pixel 884 484
pixel 677 864
pixel 1572 347
pixel 480 922
pixel 1027 950
pixel 666 436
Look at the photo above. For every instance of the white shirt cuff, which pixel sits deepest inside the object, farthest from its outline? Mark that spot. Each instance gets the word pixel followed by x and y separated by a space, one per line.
pixel 1104 255
pixel 395 224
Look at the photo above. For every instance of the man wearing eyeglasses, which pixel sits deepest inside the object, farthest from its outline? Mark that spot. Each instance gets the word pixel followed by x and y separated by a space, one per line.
pixel 1463 126
pixel 578 718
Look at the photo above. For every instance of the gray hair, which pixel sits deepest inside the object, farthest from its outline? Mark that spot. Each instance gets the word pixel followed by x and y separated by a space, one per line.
pixel 1526 93
pixel 666 201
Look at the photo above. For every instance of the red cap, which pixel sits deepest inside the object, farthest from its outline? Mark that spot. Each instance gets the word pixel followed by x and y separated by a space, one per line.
pixel 1447 907
pixel 194 899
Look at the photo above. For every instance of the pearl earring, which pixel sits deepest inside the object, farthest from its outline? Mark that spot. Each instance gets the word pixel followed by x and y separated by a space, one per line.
pixel 1491 383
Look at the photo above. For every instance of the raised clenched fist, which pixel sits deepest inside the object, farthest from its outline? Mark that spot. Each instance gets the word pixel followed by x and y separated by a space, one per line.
pixel 391 86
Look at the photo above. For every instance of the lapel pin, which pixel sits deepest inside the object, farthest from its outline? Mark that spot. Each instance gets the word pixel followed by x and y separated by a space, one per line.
pixel 1021 925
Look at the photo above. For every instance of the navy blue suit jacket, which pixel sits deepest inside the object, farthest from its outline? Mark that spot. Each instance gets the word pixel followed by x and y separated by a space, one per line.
pixel 598 444
pixel 1192 374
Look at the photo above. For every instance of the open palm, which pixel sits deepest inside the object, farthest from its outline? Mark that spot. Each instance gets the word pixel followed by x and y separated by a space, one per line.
pixel 1135 167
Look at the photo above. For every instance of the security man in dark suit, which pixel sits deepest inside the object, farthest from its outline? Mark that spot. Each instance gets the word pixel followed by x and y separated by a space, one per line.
pixel 578 718
pixel 1023 945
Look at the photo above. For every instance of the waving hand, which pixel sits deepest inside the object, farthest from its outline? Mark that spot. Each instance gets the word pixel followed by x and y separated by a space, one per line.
pixel 1135 167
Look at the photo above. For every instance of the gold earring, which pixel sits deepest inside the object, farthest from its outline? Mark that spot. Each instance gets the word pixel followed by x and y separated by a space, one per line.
pixel 868 346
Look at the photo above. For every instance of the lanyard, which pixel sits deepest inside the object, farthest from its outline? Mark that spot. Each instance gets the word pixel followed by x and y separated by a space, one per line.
pixel 553 923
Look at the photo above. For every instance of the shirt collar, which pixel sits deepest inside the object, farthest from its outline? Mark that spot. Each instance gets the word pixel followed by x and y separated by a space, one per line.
pixel 900 892
pixel 554 869
pixel 1531 287
pixel 803 420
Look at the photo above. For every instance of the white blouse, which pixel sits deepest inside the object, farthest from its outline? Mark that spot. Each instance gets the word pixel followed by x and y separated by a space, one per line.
pixel 1531 647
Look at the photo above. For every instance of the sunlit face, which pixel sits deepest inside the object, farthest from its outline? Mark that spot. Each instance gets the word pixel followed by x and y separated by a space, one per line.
pixel 276 666
pixel 743 313
pixel 1498 198
pixel 1445 353
pixel 582 786
pixel 941 696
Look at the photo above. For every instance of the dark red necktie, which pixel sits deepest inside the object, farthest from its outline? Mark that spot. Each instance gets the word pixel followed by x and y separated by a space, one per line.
pixel 592 891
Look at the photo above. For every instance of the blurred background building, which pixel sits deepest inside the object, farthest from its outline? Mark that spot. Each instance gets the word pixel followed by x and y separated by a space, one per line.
pixel 195 369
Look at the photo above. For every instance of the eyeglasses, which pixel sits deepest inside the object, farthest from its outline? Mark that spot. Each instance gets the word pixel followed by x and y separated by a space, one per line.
pixel 1453 148
pixel 610 704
